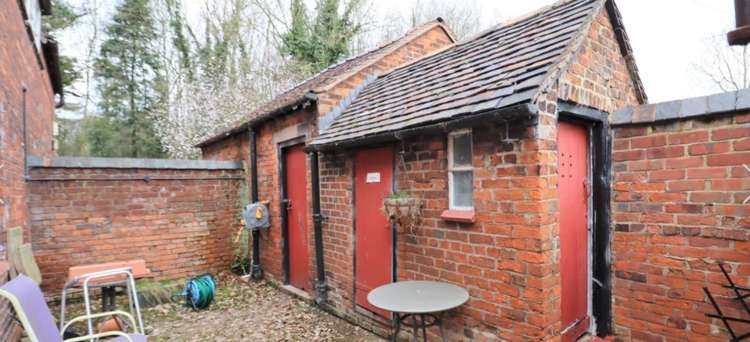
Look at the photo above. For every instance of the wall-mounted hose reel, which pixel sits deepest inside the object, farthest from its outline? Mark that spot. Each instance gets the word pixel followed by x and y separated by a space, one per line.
pixel 256 216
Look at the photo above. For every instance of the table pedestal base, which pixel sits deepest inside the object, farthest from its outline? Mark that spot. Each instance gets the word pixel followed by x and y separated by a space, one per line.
pixel 418 322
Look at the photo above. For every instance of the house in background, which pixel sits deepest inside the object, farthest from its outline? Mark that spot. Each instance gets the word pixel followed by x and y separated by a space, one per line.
pixel 474 130
pixel 30 89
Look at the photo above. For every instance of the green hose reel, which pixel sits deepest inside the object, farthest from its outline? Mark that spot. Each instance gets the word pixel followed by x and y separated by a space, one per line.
pixel 199 291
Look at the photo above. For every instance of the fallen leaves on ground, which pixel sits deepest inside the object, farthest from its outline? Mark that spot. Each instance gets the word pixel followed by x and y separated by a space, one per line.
pixel 254 311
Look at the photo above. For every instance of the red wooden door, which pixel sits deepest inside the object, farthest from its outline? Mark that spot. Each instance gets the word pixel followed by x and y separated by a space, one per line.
pixel 296 194
pixel 573 157
pixel 373 173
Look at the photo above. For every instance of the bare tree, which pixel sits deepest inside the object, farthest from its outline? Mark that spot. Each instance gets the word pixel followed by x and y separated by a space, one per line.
pixel 234 67
pixel 726 67
pixel 464 18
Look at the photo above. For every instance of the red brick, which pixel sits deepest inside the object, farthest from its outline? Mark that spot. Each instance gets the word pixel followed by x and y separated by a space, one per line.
pixel 710 197
pixel 628 155
pixel 728 159
pixel 707 173
pixel 730 133
pixel 744 118
pixel 687 185
pixel 687 137
pixel 665 152
pixel 742 145
pixel 648 141
pixel 627 132
pixel 666 175
pixel 708 148
pixel 683 163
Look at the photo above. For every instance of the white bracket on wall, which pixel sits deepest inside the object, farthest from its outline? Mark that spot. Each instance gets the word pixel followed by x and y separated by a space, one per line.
pixel 747 200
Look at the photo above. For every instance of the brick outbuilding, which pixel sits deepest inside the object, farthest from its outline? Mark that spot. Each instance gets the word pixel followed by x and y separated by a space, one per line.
pixel 287 123
pixel 475 131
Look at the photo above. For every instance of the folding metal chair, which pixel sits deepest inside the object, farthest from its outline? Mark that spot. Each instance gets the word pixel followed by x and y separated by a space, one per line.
pixel 33 313
pixel 106 280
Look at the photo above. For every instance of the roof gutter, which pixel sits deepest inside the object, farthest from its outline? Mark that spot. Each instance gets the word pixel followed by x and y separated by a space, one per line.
pixel 308 97
pixel 521 111
pixel 52 63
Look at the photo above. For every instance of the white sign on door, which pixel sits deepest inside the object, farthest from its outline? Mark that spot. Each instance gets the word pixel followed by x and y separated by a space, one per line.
pixel 373 177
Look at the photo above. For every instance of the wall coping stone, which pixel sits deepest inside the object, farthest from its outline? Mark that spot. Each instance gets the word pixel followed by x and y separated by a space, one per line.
pixel 687 108
pixel 133 163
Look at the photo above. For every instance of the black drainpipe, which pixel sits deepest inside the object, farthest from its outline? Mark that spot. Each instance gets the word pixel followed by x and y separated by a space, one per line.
pixel 257 271
pixel 25 138
pixel 320 285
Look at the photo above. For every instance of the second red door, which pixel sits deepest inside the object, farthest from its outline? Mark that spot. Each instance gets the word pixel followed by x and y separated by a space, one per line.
pixel 295 188
pixel 373 234
pixel 573 183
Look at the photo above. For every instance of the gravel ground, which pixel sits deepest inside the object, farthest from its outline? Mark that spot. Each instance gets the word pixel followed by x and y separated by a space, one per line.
pixel 254 311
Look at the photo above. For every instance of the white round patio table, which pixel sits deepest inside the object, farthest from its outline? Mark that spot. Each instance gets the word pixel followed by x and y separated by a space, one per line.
pixel 419 300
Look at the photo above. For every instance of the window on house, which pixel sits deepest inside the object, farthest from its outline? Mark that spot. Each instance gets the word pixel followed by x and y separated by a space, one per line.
pixel 460 171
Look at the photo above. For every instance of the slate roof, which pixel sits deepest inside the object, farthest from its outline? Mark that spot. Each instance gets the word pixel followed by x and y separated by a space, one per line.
pixel 716 104
pixel 501 67
pixel 306 90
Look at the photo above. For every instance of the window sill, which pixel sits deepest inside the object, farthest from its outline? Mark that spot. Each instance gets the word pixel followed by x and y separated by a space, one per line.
pixel 462 216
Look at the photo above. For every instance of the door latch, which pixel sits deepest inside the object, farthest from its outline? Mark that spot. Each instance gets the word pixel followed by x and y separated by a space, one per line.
pixel 287 204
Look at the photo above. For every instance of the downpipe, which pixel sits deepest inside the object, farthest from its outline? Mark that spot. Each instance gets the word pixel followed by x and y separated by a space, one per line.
pixel 321 287
pixel 256 270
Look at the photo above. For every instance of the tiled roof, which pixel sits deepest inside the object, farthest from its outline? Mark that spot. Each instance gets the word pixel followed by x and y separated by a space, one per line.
pixel 305 90
pixel 500 67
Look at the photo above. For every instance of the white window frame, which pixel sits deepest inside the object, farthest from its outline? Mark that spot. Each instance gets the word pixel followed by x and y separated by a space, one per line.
pixel 463 168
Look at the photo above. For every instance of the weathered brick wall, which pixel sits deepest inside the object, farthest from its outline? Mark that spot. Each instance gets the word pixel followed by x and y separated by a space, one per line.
pixel 430 41
pixel 500 259
pixel 181 222
pixel 289 127
pixel 678 210
pixel 302 123
pixel 336 200
pixel 598 76
pixel 19 67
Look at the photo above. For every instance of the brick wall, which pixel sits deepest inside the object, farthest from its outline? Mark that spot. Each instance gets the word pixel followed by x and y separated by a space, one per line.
pixel 302 124
pixel 19 67
pixel 284 129
pixel 678 209
pixel 181 221
pixel 502 259
pixel 433 40
pixel 598 76
pixel 336 199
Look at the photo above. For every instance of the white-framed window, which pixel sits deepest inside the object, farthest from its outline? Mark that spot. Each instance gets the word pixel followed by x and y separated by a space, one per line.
pixel 460 170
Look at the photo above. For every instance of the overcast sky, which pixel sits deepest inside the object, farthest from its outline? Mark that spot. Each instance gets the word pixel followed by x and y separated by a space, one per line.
pixel 668 36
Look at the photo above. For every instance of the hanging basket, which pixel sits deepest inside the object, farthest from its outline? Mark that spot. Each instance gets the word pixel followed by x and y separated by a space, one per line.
pixel 403 211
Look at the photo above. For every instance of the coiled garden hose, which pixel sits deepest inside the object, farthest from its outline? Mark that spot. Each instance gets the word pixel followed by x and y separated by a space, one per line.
pixel 199 291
